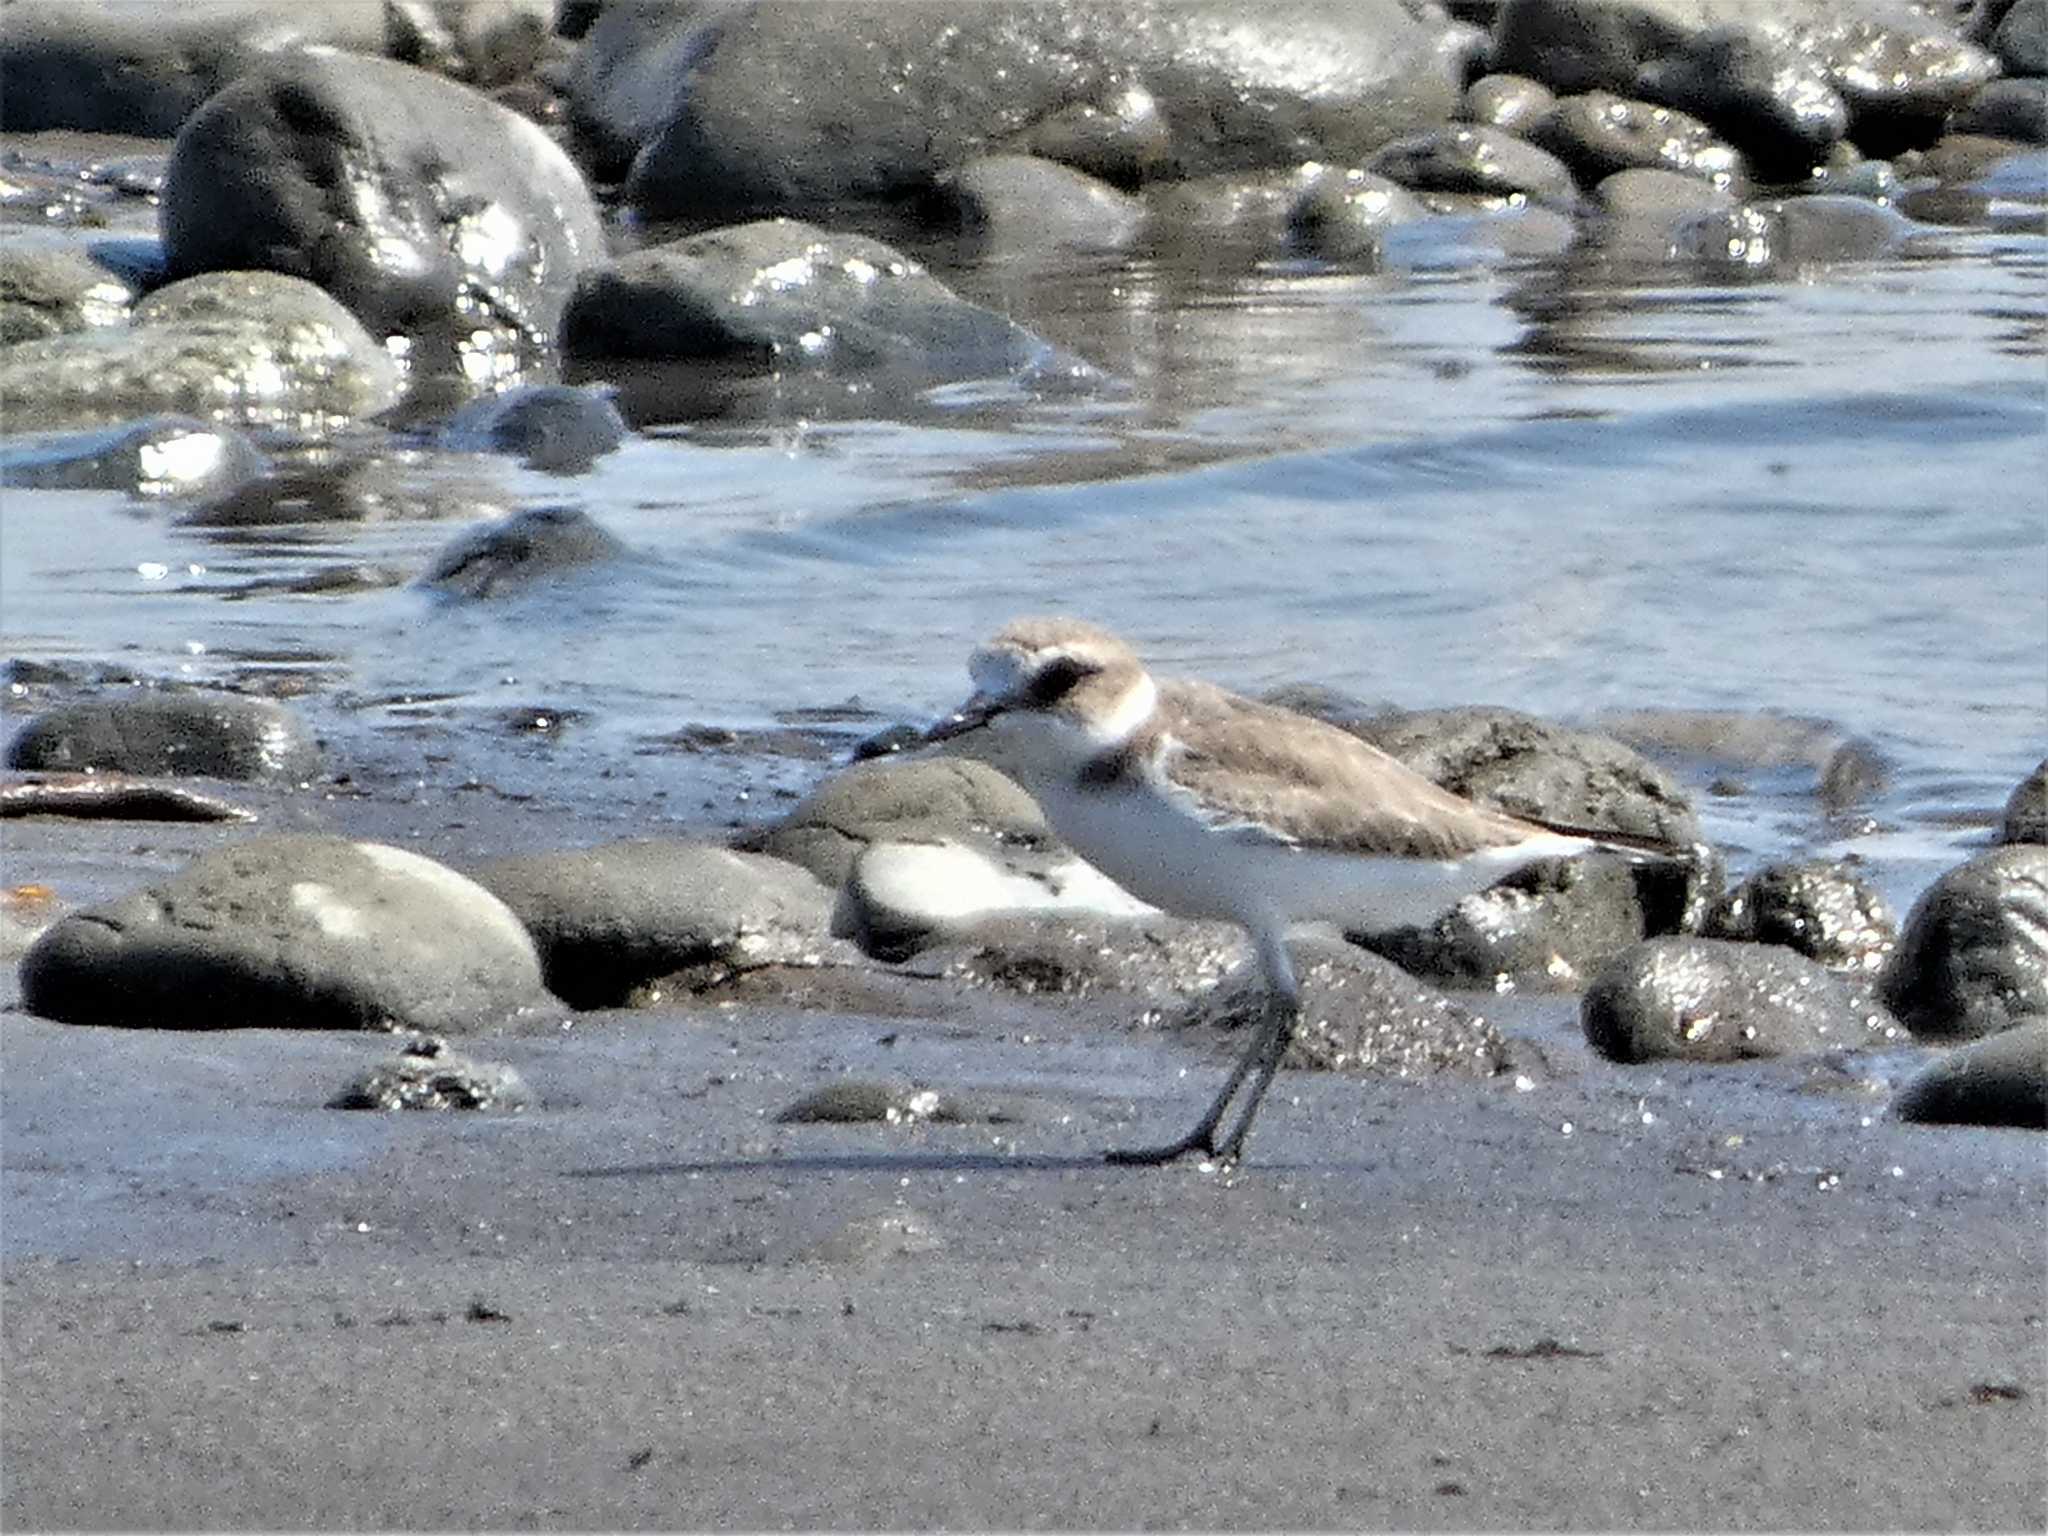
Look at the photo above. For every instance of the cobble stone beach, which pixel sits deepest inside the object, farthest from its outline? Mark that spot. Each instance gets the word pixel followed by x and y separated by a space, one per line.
pixel 507 1020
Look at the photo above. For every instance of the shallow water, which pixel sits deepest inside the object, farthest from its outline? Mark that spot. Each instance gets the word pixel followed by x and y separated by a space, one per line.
pixel 1546 483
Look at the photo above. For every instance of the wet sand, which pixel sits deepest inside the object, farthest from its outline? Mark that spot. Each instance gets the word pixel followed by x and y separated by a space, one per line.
pixel 643 1303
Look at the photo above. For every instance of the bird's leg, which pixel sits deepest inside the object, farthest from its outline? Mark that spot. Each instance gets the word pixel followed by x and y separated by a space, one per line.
pixel 1259 1062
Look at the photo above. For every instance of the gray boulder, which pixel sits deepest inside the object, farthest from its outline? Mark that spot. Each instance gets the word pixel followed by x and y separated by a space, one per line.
pixel 427 209
pixel 1512 102
pixel 1476 159
pixel 1713 1000
pixel 556 428
pixel 1782 83
pixel 159 458
pixel 1159 959
pixel 1598 133
pixel 1819 907
pixel 112 66
pixel 608 919
pixel 1360 1015
pixel 2026 809
pixel 1018 205
pixel 1345 215
pixel 2002 1080
pixel 917 89
pixel 51 292
pixel 928 800
pixel 515 553
pixel 296 932
pixel 1532 767
pixel 1973 956
pixel 2006 109
pixel 187 732
pixel 2015 30
pixel 779 294
pixel 251 348
pixel 1642 212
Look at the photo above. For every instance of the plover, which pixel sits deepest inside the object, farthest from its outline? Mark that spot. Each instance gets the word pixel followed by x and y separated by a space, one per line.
pixel 1211 805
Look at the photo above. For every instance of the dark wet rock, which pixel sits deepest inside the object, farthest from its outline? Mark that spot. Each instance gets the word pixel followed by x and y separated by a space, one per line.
pixel 159 458
pixel 1598 133
pixel 1778 106
pixel 1010 205
pixel 1531 767
pixel 104 796
pixel 1973 956
pixel 2026 809
pixel 484 43
pixel 1780 82
pixel 1820 907
pixel 252 348
pixel 611 918
pixel 426 1074
pixel 527 547
pixel 559 428
pixel 171 731
pixel 1125 141
pixel 352 482
pixel 901 897
pixel 2021 40
pixel 2006 109
pixel 142 69
pixel 1347 214
pixel 1713 1000
pixel 1552 924
pixel 51 292
pixel 1360 1015
pixel 293 932
pixel 1489 161
pixel 1063 954
pixel 917 89
pixel 779 294
pixel 912 800
pixel 1251 209
pixel 1789 234
pixel 1506 101
pixel 2002 1080
pixel 427 209
pixel 1857 178
pixel 856 1101
pixel 1848 769
pixel 625 78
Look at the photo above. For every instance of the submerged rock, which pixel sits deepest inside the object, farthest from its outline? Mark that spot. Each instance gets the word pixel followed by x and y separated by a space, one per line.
pixel 781 295
pixel 252 348
pixel 2026 810
pixel 159 458
pixel 426 208
pixel 1973 956
pixel 1819 907
pixel 518 551
pixel 171 731
pixel 292 932
pixel 608 919
pixel 1714 1000
pixel 556 428
pixel 2002 1080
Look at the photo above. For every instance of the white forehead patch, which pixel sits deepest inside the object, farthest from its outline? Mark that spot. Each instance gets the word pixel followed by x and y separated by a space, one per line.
pixel 997 669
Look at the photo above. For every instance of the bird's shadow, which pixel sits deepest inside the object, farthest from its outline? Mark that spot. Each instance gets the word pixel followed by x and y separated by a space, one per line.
pixel 855 1162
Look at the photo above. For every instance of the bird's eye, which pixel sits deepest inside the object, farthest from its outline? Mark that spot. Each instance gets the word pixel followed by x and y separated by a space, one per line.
pixel 1057 681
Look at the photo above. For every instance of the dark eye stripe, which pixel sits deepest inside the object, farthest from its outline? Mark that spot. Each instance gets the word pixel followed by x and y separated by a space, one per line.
pixel 1057 680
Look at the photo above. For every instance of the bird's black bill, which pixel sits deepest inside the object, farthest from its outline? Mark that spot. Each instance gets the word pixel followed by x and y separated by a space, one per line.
pixel 971 716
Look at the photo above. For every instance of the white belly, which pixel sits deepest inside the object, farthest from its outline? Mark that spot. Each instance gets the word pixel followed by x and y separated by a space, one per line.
pixel 1162 855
